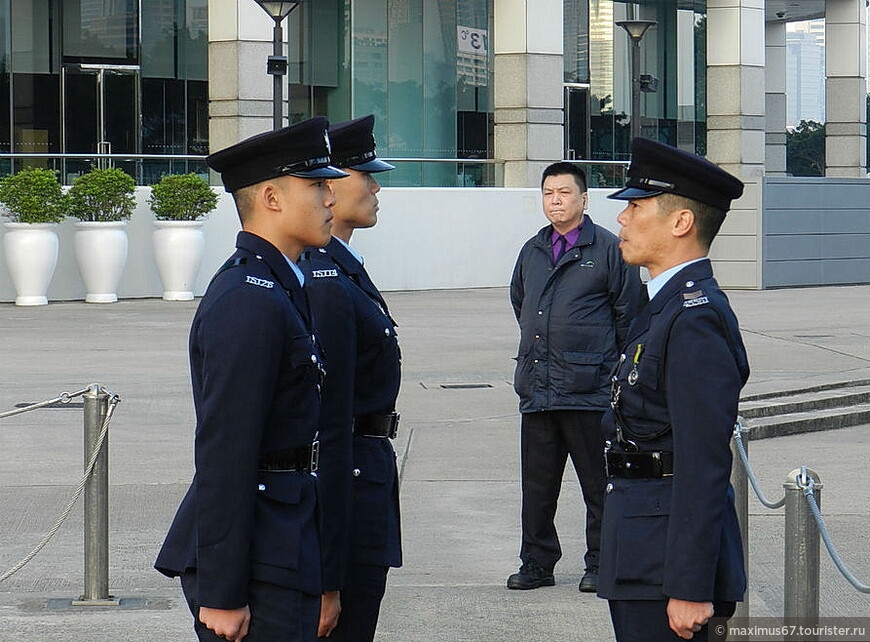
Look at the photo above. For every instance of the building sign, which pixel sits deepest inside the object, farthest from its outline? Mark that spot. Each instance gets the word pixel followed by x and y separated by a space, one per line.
pixel 471 42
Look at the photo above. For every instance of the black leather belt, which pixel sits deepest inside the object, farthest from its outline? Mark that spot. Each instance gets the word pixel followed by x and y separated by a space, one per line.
pixel 383 426
pixel 648 465
pixel 303 459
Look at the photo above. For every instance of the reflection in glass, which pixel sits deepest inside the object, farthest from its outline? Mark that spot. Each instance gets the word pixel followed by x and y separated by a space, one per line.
pixel 5 57
pixel 101 29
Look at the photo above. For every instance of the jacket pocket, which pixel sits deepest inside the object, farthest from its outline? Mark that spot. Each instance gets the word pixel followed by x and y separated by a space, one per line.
pixel 279 520
pixel 372 495
pixel 523 376
pixel 642 538
pixel 582 371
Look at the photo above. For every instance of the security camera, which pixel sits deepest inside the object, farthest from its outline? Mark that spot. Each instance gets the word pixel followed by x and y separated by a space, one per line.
pixel 780 14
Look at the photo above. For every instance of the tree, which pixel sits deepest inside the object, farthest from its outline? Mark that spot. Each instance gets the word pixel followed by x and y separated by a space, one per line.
pixel 805 149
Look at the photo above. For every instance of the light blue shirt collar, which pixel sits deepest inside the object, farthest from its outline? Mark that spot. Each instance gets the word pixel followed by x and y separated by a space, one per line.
pixel 355 254
pixel 296 270
pixel 654 286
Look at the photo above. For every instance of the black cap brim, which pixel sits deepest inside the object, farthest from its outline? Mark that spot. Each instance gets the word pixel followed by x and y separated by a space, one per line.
pixel 373 166
pixel 328 171
pixel 632 193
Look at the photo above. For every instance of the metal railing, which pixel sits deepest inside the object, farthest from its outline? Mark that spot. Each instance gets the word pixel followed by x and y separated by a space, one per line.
pixel 804 525
pixel 99 407
pixel 603 173
pixel 147 169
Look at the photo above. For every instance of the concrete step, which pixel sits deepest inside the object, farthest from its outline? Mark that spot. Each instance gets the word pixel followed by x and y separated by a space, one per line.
pixel 780 425
pixel 799 401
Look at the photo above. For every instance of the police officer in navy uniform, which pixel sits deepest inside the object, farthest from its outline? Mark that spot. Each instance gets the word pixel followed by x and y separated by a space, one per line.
pixel 671 555
pixel 358 479
pixel 245 539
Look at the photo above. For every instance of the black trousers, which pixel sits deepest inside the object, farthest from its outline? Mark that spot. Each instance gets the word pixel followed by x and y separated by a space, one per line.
pixel 278 614
pixel 361 597
pixel 647 620
pixel 546 440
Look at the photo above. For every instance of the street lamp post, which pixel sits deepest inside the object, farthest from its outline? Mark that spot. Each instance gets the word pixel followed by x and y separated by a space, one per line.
pixel 276 65
pixel 635 30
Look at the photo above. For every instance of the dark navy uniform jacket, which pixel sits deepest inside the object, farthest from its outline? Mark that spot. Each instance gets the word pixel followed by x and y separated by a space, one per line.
pixel 256 372
pixel 573 317
pixel 677 537
pixel 358 481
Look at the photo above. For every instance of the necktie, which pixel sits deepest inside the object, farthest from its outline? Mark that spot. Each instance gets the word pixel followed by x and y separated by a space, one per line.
pixel 561 248
pixel 642 299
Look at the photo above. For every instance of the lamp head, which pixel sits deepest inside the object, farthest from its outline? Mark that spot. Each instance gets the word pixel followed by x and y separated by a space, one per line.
pixel 278 10
pixel 634 28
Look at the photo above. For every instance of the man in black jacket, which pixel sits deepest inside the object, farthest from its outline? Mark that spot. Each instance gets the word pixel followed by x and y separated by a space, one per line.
pixel 574 298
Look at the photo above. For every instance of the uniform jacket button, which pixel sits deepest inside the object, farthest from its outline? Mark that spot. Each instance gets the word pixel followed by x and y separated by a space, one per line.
pixel 261 487
pixel 357 472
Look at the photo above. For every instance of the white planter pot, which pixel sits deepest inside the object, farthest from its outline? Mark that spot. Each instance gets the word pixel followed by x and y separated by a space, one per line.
pixel 178 248
pixel 31 256
pixel 101 253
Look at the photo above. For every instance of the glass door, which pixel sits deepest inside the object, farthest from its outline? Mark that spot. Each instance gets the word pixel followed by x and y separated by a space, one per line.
pixel 101 109
pixel 576 121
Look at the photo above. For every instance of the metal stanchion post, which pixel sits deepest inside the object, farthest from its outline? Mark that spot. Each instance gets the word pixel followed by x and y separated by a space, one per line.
pixel 801 588
pixel 740 482
pixel 96 404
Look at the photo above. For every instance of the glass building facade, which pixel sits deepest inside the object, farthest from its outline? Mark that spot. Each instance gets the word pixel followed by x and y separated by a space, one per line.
pixel 422 67
pixel 103 76
pixel 131 77
pixel 598 77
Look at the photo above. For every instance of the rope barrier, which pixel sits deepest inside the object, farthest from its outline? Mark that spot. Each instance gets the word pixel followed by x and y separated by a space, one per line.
pixel 65 397
pixel 738 437
pixel 806 484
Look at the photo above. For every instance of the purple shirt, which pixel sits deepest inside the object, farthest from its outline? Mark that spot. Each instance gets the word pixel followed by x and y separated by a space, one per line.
pixel 571 238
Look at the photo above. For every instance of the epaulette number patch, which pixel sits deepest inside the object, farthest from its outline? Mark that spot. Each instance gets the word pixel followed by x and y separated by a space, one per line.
pixel 691 299
pixel 263 283
pixel 321 274
pixel 693 302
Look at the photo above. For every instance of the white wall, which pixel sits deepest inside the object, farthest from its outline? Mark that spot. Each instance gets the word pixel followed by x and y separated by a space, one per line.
pixel 427 238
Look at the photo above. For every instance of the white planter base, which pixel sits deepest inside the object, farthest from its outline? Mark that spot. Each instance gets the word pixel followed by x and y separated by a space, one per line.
pixel 178 295
pixel 101 298
pixel 31 300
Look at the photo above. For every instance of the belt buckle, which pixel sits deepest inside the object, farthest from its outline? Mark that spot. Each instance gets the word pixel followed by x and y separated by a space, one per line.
pixel 394 425
pixel 314 458
pixel 657 466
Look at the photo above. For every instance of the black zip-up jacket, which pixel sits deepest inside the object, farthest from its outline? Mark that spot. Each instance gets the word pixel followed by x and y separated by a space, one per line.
pixel 573 319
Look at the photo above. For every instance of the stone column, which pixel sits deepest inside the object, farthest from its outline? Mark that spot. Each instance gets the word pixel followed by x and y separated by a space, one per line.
pixel 845 88
pixel 528 88
pixel 775 98
pixel 239 89
pixel 735 75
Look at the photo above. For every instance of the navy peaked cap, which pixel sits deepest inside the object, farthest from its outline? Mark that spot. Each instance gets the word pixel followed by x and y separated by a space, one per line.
pixel 657 168
pixel 298 150
pixel 353 146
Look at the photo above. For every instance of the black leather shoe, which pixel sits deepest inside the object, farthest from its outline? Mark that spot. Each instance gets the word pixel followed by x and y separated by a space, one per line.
pixel 589 581
pixel 531 576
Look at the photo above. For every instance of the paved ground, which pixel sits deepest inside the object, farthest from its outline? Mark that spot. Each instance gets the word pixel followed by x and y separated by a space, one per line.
pixel 458 450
